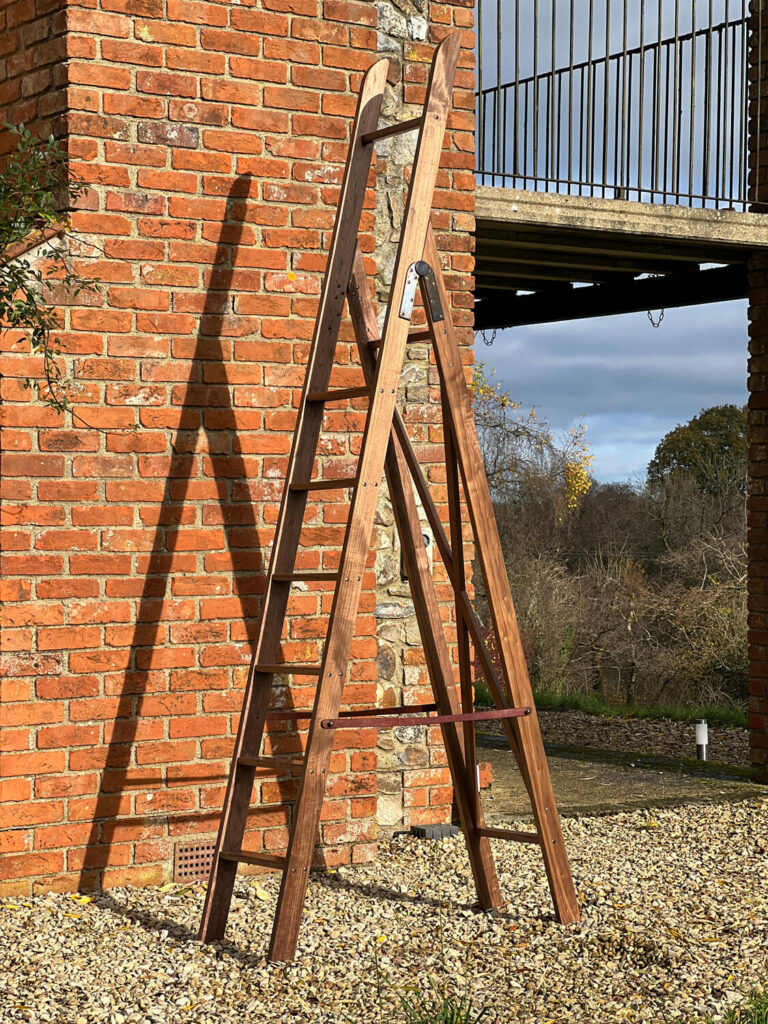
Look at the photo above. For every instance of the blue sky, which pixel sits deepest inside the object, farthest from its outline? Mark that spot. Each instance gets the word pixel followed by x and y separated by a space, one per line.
pixel 631 383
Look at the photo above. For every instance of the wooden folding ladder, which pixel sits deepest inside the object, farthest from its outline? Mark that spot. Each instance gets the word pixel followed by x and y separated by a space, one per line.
pixel 386 447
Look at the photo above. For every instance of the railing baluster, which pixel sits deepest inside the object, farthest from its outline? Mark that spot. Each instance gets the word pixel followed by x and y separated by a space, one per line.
pixel 719 146
pixel 631 111
pixel 659 53
pixel 570 99
pixel 692 110
pixel 743 168
pixel 499 79
pixel 480 137
pixel 732 132
pixel 606 91
pixel 641 112
pixel 708 115
pixel 517 87
pixel 536 90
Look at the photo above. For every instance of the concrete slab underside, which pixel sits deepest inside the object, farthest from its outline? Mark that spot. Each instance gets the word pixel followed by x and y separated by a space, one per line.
pixel 544 258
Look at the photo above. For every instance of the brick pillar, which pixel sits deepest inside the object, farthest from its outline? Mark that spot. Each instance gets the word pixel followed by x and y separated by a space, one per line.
pixel 212 137
pixel 758 402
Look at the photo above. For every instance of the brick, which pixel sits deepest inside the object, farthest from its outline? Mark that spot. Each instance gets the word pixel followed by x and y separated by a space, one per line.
pixel 163 84
pixel 149 540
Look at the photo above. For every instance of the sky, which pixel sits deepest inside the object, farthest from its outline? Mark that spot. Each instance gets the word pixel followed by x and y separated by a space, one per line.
pixel 630 382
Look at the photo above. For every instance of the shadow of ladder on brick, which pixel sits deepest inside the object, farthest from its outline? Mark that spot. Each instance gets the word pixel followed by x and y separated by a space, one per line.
pixel 386 447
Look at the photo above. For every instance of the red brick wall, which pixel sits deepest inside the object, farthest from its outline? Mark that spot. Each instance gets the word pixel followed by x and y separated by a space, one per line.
pixel 213 137
pixel 32 69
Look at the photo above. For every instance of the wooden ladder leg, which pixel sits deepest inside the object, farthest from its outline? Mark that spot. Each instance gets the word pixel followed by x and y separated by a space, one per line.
pixel 364 499
pixel 458 579
pixel 288 528
pixel 427 609
pixel 488 545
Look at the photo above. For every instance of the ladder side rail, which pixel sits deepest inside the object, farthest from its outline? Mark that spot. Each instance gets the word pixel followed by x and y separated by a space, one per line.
pixel 488 546
pixel 497 685
pixel 425 602
pixel 364 500
pixel 288 527
pixel 459 582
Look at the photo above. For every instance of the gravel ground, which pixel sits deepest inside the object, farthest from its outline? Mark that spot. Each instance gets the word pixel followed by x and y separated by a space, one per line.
pixel 727 745
pixel 675 926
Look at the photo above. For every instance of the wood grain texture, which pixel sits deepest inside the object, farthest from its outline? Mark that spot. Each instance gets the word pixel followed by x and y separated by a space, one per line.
pixel 436 653
pixel 354 552
pixel 290 518
pixel 458 410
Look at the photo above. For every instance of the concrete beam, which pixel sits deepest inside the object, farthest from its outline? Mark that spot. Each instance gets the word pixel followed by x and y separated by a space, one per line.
pixel 709 229
pixel 498 309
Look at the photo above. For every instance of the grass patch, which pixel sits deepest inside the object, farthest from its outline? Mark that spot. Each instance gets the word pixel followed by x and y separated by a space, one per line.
pixel 593 704
pixel 754 1011
pixel 437 1008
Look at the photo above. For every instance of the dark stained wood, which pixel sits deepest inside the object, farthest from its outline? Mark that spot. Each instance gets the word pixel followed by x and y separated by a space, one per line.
pixel 394 722
pixel 306 577
pixel 283 764
pixel 400 128
pixel 338 394
pixel 354 552
pixel 457 572
pixel 324 485
pixel 385 448
pixel 511 835
pixel 288 669
pixel 264 860
pixel 425 603
pixel 290 517
pixel 458 410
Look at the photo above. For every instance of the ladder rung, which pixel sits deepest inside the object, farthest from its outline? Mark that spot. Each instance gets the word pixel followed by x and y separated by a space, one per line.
pixel 392 129
pixel 269 761
pixel 352 721
pixel 509 834
pixel 339 394
pixel 286 577
pixel 289 670
pixel 420 335
pixel 265 860
pixel 324 485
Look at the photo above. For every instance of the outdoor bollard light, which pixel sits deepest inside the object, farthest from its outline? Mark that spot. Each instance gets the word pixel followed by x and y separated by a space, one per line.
pixel 701 739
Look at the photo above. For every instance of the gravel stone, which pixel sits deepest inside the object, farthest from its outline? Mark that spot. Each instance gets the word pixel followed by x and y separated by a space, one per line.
pixel 675 926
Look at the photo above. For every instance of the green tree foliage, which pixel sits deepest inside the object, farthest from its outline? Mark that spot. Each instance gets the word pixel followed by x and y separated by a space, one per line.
pixel 35 195
pixel 711 449
pixel 638 592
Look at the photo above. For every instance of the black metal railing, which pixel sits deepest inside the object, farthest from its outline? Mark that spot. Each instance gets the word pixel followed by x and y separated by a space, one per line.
pixel 631 99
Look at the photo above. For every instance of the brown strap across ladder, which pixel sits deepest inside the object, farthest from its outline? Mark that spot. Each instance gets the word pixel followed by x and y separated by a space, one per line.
pixel 386 449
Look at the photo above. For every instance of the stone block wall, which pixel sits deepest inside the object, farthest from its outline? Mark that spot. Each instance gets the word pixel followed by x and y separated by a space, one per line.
pixel 212 137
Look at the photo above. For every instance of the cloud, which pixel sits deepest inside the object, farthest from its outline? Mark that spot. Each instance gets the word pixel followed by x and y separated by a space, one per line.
pixel 630 382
